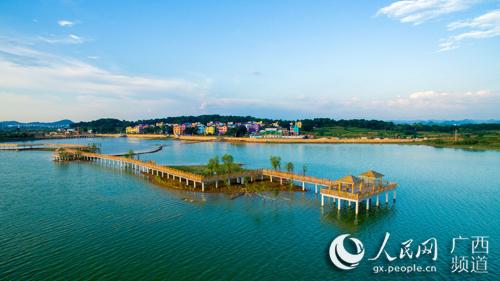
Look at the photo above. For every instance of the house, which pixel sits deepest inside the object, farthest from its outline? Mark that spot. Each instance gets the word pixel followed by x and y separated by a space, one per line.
pixel 222 130
pixel 252 127
pixel 200 129
pixel 210 130
pixel 179 129
pixel 134 130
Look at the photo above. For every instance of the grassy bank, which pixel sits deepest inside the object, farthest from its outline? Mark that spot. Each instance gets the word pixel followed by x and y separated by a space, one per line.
pixel 205 170
pixel 489 142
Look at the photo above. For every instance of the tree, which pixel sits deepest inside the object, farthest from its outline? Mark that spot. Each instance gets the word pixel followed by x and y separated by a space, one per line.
pixel 93 148
pixel 304 169
pixel 289 167
pixel 275 162
pixel 130 154
pixel 190 131
pixel 238 131
pixel 228 161
pixel 213 165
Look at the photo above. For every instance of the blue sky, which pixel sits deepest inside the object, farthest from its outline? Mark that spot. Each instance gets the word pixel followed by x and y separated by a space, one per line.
pixel 415 59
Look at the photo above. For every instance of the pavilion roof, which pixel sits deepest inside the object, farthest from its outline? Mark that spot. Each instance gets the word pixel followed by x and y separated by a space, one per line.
pixel 371 174
pixel 350 179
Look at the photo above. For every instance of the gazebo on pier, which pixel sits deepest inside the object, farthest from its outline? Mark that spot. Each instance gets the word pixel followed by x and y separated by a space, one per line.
pixel 349 183
pixel 356 189
pixel 372 179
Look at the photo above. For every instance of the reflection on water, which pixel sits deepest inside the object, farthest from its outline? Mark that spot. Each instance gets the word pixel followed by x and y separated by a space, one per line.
pixel 85 221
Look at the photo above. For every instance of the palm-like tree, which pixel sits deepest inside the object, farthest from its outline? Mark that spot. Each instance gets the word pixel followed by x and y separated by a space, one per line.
pixel 289 167
pixel 304 169
pixel 213 165
pixel 275 162
pixel 228 161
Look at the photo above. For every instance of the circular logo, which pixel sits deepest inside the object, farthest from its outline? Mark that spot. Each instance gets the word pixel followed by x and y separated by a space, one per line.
pixel 341 258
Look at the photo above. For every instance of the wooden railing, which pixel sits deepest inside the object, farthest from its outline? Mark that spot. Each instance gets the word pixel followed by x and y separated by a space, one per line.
pixel 342 194
pixel 51 145
pixel 297 177
pixel 249 173
pixel 360 195
pixel 368 194
pixel 361 192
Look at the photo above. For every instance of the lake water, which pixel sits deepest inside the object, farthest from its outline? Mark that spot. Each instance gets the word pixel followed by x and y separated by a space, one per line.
pixel 83 221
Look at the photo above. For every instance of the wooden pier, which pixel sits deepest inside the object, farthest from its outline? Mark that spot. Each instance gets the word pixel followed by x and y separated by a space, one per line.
pixel 39 146
pixel 152 168
pixel 364 188
pixel 356 189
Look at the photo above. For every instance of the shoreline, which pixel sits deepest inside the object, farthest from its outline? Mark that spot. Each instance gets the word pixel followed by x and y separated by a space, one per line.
pixel 263 140
pixel 323 140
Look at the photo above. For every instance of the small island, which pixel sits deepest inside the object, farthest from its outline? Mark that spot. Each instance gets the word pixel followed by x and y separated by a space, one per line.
pixel 234 178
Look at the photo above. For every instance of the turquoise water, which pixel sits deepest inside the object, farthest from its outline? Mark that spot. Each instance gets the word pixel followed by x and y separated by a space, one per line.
pixel 83 221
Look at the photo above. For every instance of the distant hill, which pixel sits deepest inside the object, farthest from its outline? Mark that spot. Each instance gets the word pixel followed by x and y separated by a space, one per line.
pixel 58 124
pixel 447 122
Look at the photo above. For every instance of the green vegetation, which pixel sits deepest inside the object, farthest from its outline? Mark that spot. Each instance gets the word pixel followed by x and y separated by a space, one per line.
pixel 238 131
pixel 130 154
pixel 93 148
pixel 467 141
pixel 214 167
pixel 304 170
pixel 237 190
pixel 206 171
pixel 289 167
pixel 17 135
pixel 228 161
pixel 115 126
pixel 275 162
pixel 476 136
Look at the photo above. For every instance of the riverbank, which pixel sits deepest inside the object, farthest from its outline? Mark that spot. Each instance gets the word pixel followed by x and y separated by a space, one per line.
pixel 137 136
pixel 318 140
pixel 493 143
pixel 462 145
pixel 263 140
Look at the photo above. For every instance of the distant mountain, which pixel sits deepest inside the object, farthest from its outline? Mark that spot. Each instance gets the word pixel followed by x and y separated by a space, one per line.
pixel 447 122
pixel 58 124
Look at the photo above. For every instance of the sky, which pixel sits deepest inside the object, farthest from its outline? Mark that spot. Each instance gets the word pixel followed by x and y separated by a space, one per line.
pixel 389 60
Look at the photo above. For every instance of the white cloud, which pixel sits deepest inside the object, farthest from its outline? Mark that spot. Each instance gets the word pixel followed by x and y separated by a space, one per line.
pixel 68 39
pixel 437 104
pixel 429 104
pixel 49 84
pixel 65 23
pixel 481 27
pixel 420 11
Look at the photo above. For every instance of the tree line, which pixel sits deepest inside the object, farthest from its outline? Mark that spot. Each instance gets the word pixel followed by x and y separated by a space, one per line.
pixel 109 125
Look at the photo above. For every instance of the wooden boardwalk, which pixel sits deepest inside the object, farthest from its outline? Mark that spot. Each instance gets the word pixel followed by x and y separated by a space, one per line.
pixel 28 146
pixel 160 170
pixel 364 188
pixel 318 182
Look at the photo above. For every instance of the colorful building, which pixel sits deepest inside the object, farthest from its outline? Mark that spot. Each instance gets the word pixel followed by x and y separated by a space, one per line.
pixel 134 130
pixel 210 130
pixel 222 130
pixel 200 129
pixel 252 127
pixel 179 129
